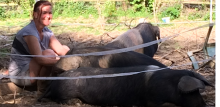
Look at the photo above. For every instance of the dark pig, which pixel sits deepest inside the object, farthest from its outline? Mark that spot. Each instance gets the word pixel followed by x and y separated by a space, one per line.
pixel 151 88
pixel 124 59
pixel 142 33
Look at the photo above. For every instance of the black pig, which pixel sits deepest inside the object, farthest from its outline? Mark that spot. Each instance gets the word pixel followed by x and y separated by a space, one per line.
pixel 151 88
pixel 142 33
pixel 104 61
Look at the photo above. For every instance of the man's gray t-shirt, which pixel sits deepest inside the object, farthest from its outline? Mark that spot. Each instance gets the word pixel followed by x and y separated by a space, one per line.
pixel 18 62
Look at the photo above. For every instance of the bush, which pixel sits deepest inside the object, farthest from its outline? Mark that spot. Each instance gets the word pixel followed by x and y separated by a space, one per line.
pixel 207 16
pixel 2 13
pixel 149 5
pixel 173 12
pixel 109 9
pixel 137 5
pixel 194 15
pixel 73 9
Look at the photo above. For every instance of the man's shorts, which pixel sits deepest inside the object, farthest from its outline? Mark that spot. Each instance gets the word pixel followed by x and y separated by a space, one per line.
pixel 25 73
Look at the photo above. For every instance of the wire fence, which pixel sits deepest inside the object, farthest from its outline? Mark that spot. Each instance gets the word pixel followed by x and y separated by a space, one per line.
pixel 189 41
pixel 118 51
pixel 78 29
pixel 183 43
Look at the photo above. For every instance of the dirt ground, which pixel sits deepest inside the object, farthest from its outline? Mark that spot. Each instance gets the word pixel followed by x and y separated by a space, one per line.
pixel 172 52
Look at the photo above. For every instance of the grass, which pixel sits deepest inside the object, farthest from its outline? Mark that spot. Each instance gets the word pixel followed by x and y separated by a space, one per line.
pixel 66 24
pixel 14 22
pixel 61 25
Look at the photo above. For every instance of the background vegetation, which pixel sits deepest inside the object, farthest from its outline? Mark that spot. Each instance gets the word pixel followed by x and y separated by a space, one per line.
pixel 19 12
pixel 109 9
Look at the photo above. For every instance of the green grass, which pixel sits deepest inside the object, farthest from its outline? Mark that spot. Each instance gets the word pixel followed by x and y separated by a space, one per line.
pixel 15 22
pixel 58 25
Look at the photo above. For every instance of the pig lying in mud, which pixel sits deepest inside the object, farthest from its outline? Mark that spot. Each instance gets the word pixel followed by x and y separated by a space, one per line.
pixel 104 61
pixel 151 88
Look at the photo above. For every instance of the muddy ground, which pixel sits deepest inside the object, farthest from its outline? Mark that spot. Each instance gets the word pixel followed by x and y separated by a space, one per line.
pixel 172 52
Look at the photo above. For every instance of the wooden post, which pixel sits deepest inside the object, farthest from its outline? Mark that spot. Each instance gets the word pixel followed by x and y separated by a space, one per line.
pixel 210 11
pixel 124 5
pixel 181 8
pixel 154 11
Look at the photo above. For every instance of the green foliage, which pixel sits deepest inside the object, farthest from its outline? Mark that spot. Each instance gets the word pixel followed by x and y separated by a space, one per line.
pixel 4 1
pixel 131 13
pixel 23 9
pixel 199 14
pixel 194 15
pixel 73 9
pixel 196 9
pixel 149 5
pixel 137 5
pixel 109 9
pixel 2 13
pixel 26 6
pixel 207 16
pixel 173 12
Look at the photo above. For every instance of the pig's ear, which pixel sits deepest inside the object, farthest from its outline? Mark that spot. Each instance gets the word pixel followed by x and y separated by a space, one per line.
pixel 197 75
pixel 189 84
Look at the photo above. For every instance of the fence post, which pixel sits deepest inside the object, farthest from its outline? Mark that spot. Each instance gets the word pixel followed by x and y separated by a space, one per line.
pixel 154 3
pixel 210 11
pixel 124 5
pixel 181 13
